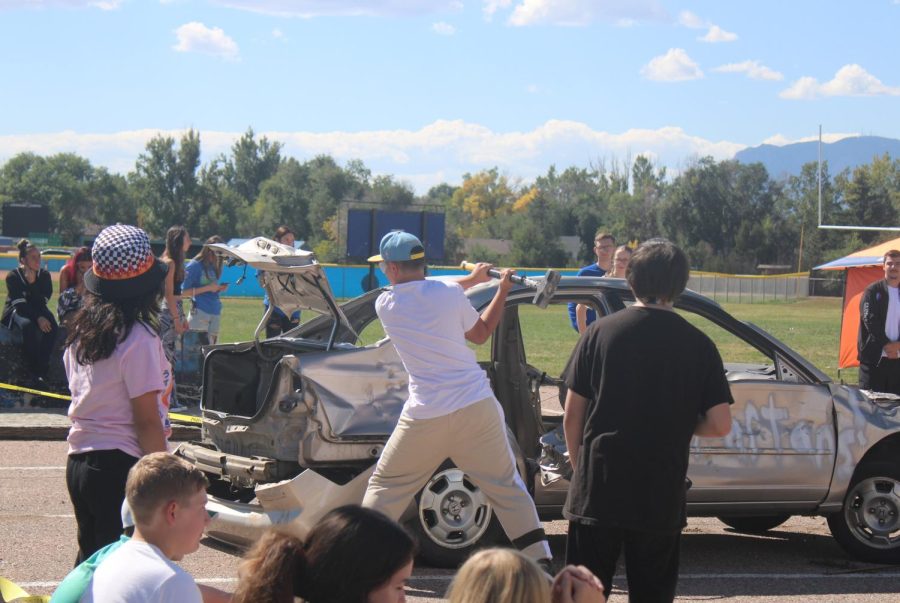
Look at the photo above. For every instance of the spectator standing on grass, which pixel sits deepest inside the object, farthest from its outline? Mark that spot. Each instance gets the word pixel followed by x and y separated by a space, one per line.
pixel 604 246
pixel 118 375
pixel 451 411
pixel 71 282
pixel 172 323
pixel 279 322
pixel 878 343
pixel 201 284
pixel 642 382
pixel 508 576
pixel 167 497
pixel 28 290
pixel 619 265
pixel 353 555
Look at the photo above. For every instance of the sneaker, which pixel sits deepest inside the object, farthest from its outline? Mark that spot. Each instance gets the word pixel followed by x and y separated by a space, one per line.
pixel 177 406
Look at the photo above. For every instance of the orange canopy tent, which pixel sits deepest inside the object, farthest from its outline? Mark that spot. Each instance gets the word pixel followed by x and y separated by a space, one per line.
pixel 862 268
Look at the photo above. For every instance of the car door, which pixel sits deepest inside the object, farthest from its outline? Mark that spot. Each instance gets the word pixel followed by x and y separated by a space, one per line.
pixel 780 452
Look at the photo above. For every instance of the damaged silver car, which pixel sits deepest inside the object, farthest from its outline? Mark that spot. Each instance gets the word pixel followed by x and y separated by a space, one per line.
pixel 293 425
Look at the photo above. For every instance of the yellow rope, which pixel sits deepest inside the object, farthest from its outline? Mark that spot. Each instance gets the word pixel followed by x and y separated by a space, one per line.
pixel 18 388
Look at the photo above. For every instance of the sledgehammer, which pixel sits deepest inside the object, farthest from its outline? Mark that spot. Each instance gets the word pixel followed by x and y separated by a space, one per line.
pixel 543 290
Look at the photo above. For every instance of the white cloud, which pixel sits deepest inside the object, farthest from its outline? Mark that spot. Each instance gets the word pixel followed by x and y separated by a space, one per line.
pixel 307 9
pixel 443 29
pixel 532 89
pixel 101 4
pixel 278 34
pixel 850 80
pixel 674 66
pixel 754 70
pixel 580 12
pixel 688 19
pixel 717 34
pixel 492 6
pixel 197 37
pixel 714 33
pixel 441 151
pixel 779 140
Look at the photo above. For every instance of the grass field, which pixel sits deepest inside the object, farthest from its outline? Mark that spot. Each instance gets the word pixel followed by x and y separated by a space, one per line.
pixel 810 326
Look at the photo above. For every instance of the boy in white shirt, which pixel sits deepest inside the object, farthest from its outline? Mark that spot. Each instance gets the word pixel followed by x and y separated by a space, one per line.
pixel 451 411
pixel 167 497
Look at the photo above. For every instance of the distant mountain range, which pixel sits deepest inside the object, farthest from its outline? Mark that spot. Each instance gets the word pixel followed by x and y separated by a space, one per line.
pixel 788 160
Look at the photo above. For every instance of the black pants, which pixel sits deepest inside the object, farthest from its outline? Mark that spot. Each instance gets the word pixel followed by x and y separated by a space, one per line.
pixel 36 345
pixel 651 560
pixel 96 483
pixel 883 377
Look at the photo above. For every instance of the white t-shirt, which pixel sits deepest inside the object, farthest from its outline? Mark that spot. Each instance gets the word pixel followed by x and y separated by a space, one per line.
pixel 427 322
pixel 892 320
pixel 138 572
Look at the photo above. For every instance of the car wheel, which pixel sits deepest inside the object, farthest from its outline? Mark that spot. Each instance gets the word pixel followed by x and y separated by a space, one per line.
pixel 868 526
pixel 756 524
pixel 453 518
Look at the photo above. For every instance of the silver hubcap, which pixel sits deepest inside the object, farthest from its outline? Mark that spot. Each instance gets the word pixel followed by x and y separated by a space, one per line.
pixel 873 512
pixel 453 511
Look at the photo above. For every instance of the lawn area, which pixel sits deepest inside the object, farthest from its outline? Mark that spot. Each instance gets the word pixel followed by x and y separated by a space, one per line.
pixel 810 326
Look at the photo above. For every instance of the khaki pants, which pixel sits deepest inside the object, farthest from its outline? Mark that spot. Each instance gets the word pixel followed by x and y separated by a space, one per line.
pixel 474 438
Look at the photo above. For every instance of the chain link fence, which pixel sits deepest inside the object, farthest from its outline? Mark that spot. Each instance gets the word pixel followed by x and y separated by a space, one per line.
pixel 730 288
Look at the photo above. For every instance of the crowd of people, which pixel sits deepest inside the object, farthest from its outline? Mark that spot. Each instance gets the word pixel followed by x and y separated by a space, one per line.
pixel 626 434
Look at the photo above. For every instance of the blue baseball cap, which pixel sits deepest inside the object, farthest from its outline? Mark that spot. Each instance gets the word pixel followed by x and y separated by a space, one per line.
pixel 399 246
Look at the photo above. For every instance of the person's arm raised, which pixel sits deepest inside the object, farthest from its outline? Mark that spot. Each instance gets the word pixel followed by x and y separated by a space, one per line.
pixel 490 318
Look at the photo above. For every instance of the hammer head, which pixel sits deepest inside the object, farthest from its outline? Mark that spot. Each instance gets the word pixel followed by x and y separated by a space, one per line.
pixel 546 289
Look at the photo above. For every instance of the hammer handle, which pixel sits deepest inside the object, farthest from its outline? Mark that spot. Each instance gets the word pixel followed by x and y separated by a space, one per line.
pixel 521 280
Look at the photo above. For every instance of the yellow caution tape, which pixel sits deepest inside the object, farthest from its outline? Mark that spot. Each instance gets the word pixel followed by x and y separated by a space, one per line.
pixel 37 392
pixel 177 416
pixel 182 418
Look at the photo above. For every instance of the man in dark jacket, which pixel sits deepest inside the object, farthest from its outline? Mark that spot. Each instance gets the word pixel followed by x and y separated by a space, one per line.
pixel 878 345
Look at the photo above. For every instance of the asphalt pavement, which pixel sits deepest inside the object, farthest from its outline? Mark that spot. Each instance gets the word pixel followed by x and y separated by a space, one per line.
pixel 797 562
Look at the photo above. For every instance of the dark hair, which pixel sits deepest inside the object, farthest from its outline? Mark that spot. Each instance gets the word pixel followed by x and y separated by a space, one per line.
pixel 892 253
pixel 99 325
pixel 175 250
pixel 348 539
pixel 82 254
pixel 658 271
pixel 208 258
pixel 267 571
pixel 281 231
pixel 24 246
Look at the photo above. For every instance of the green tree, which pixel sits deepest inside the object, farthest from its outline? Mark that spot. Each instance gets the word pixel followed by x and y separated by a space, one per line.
pixel 166 184
pixel 252 162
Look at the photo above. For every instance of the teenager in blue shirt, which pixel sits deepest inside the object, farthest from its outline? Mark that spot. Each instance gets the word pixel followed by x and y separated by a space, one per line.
pixel 201 284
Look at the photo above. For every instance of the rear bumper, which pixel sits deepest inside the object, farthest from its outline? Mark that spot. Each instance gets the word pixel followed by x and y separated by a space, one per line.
pixel 293 506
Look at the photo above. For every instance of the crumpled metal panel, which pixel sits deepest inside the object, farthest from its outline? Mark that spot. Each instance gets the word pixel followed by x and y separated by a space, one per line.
pixel 361 391
pixel 293 278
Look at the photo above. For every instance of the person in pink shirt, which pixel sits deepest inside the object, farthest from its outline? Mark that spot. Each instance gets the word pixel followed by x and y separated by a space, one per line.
pixel 119 377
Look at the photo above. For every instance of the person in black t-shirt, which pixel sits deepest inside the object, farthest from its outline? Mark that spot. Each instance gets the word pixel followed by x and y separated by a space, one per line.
pixel 642 382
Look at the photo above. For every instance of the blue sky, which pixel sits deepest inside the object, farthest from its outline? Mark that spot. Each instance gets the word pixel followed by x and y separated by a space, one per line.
pixel 430 89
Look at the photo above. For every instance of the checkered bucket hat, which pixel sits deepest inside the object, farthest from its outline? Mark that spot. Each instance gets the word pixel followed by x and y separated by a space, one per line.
pixel 124 264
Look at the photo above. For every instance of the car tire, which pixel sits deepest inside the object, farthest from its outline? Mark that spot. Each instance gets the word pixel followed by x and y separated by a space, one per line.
pixel 754 525
pixel 868 525
pixel 453 518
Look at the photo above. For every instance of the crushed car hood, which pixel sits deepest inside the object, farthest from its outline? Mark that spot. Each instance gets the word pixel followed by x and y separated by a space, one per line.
pixel 293 278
